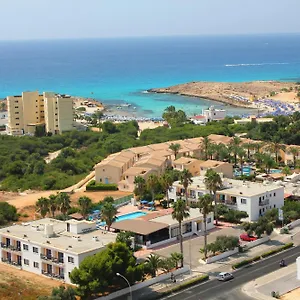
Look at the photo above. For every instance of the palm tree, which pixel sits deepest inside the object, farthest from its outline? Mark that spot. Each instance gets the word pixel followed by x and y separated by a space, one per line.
pixel 64 203
pixel 166 182
pixel 42 206
pixel 53 204
pixel 241 155
pixel 286 171
pixel 205 206
pixel 295 153
pixel 275 147
pixel 153 263
pixel 85 204
pixel 234 147
pixel 186 180
pixel 177 257
pixel 269 163
pixel 213 183
pixel 180 212
pixel 248 146
pixel 151 184
pixel 206 142
pixel 175 148
pixel 257 146
pixel 140 186
pixel 108 214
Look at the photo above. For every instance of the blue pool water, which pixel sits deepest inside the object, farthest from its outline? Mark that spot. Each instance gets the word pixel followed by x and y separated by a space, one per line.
pixel 246 171
pixel 273 171
pixel 129 216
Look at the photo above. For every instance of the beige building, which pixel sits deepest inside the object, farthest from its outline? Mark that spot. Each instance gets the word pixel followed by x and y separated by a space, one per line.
pixel 190 164
pixel 219 166
pixel 30 110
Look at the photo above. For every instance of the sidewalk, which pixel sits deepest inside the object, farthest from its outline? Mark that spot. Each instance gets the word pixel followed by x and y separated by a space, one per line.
pixel 282 281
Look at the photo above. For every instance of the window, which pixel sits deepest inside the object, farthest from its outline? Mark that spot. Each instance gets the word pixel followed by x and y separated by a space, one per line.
pixel 25 247
pixel 17 124
pixel 17 118
pixel 71 259
pixel 208 220
pixel 16 106
pixel 270 195
pixel 37 118
pixel 36 264
pixel 35 250
pixel 244 201
pixel 263 197
pixel 26 262
pixel 16 113
pixel 259 198
pixel 274 205
pixel 274 194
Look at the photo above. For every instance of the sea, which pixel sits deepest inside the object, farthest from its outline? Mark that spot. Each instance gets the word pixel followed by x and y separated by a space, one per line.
pixel 118 71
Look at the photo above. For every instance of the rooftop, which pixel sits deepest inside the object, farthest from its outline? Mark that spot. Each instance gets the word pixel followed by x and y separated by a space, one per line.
pixel 185 160
pixel 135 171
pixel 34 232
pixel 211 163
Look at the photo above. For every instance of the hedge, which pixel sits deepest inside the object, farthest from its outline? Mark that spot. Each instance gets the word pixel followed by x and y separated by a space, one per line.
pixel 257 258
pixel 93 186
pixel 181 286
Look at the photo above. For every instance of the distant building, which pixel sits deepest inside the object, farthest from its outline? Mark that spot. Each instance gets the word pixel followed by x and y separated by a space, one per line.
pixel 219 166
pixel 213 114
pixel 190 164
pixel 30 110
pixel 253 119
pixel 50 247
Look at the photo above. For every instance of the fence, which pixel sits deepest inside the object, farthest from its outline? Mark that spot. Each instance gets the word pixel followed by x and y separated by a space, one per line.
pixel 123 200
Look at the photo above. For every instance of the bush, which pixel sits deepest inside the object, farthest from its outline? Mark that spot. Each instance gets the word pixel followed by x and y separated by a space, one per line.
pixel 245 262
pixel 93 186
pixel 271 252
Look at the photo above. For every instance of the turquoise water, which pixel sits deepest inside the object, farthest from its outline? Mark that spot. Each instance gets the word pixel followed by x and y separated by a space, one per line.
pixel 129 216
pixel 273 171
pixel 246 171
pixel 116 71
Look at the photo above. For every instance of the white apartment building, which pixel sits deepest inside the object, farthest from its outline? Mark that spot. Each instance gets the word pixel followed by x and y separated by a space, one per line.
pixel 30 110
pixel 253 198
pixel 213 114
pixel 50 247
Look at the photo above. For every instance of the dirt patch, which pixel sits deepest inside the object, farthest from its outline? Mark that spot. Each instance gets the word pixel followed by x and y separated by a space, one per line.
pixel 293 295
pixel 19 284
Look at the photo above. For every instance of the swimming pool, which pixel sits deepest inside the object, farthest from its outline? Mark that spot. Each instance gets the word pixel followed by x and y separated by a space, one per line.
pixel 246 171
pixel 129 216
pixel 274 171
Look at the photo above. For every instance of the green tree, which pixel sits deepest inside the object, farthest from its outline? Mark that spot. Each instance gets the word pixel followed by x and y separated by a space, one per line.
pixel 97 273
pixel 166 181
pixel 241 155
pixel 151 184
pixel 125 237
pixel 213 183
pixel 153 263
pixel 234 147
pixel 186 180
pixel 175 148
pixel 248 146
pixel 286 170
pixel 108 214
pixel 64 203
pixel 275 147
pixel 140 186
pixel 268 162
pixel 205 206
pixel 53 204
pixel 60 293
pixel 177 257
pixel 167 264
pixel 295 153
pixel 42 206
pixel 205 145
pixel 8 213
pixel 180 212
pixel 85 204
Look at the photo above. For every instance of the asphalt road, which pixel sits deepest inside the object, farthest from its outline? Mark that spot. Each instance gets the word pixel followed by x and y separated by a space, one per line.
pixel 216 290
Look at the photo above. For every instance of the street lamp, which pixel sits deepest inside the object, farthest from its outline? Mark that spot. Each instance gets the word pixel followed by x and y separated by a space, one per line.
pixel 120 275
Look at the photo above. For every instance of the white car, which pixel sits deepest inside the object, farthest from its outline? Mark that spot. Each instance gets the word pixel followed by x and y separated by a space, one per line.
pixel 224 276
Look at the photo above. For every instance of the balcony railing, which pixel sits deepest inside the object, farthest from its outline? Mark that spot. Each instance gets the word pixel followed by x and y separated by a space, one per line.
pixel 52 259
pixel 53 275
pixel 10 247
pixel 264 202
pixel 10 262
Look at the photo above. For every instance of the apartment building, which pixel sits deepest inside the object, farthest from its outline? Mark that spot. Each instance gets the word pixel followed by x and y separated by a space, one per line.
pixel 190 164
pixel 29 110
pixel 218 166
pixel 252 197
pixel 50 247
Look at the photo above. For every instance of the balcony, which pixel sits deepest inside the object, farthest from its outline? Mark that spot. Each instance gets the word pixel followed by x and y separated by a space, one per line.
pixel 51 259
pixel 264 202
pixel 10 262
pixel 53 275
pixel 230 204
pixel 10 247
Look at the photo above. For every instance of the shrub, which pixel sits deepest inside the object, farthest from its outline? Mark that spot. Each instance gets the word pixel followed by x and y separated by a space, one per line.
pixel 245 262
pixel 274 251
pixel 93 186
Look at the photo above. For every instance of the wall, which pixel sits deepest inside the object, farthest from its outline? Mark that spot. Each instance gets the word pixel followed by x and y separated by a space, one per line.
pixel 293 224
pixel 257 242
pixel 111 172
pixel 31 108
pixel 50 112
pixel 222 255
pixel 65 114
pixel 144 284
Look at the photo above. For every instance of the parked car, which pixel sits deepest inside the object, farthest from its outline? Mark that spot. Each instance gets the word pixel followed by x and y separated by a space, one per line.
pixel 224 276
pixel 247 238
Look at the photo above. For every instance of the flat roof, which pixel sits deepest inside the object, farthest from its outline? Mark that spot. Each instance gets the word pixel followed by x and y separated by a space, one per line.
pixel 212 163
pixel 185 160
pixel 142 227
pixel 62 240
pixel 134 171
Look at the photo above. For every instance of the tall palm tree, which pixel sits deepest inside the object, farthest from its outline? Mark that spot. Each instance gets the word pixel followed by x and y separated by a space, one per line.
pixel 234 147
pixel 204 145
pixel 42 206
pixel 248 147
pixel 153 263
pixel 275 147
pixel 53 204
pixel 295 153
pixel 213 183
pixel 257 146
pixel 180 212
pixel 205 206
pixel 166 182
pixel 85 204
pixel 151 184
pixel 140 186
pixel 108 214
pixel 186 180
pixel 64 203
pixel 175 148
pixel 268 162
pixel 241 155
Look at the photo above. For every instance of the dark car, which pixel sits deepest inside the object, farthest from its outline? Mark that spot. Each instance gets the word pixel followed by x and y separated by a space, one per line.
pixel 247 238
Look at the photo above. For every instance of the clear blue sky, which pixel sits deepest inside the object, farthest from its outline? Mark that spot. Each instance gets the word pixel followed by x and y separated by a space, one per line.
pixel 36 19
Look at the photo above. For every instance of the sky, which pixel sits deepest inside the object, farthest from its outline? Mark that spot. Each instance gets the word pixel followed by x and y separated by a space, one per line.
pixel 60 19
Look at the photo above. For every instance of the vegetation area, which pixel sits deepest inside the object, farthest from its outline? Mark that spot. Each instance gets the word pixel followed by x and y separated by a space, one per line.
pixel 8 213
pixel 60 293
pixel 93 186
pixel 230 215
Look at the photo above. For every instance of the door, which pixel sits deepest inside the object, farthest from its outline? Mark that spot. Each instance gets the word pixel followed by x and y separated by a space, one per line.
pixel 106 180
pixel 48 253
pixel 19 260
pixel 60 257
pixel 7 242
pixel 9 257
pixel 49 269
pixel 18 245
